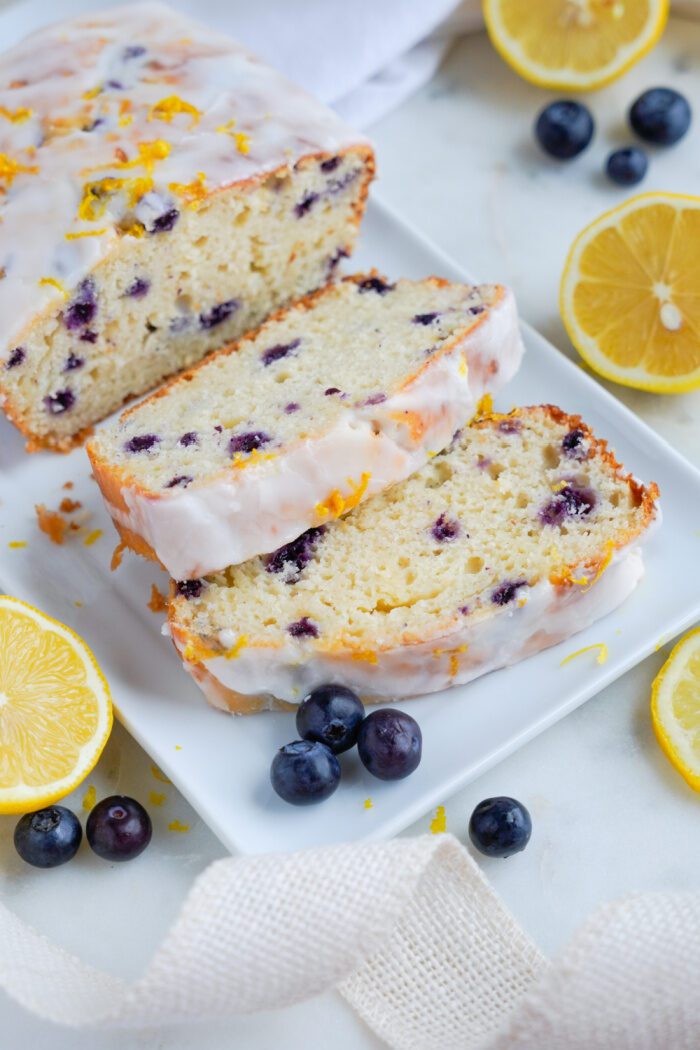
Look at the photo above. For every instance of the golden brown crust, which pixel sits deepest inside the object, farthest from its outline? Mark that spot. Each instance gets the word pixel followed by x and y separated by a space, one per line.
pixel 38 442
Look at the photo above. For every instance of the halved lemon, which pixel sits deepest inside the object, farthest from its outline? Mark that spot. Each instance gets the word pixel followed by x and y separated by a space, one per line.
pixel 630 293
pixel 576 45
pixel 675 708
pixel 55 708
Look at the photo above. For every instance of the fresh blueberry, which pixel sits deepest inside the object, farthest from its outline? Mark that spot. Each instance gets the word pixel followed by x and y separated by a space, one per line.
pixel 425 319
pixel 60 402
pixel 332 715
pixel 627 166
pixel 141 443
pixel 564 129
pixel 118 828
pixel 48 837
pixel 331 164
pixel 660 115
pixel 390 744
pixel 500 827
pixel 304 772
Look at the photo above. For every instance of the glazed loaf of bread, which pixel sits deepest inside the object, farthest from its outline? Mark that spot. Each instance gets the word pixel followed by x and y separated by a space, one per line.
pixel 333 400
pixel 162 191
pixel 522 533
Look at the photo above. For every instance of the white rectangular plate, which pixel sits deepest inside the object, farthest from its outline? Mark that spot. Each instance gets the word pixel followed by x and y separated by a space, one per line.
pixel 221 763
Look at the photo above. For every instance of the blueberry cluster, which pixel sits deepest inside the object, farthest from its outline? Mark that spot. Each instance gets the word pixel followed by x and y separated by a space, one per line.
pixel 118 828
pixel 660 116
pixel 331 720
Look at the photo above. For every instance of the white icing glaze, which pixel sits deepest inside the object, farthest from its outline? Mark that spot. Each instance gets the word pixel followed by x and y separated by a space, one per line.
pixel 53 71
pixel 203 528
pixel 496 638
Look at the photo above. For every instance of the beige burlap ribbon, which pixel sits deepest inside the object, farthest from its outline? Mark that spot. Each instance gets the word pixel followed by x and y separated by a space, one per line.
pixel 412 935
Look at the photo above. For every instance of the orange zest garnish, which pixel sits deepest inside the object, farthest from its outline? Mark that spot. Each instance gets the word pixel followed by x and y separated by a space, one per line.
pixel 193 192
pixel 170 107
pixel 10 169
pixel 85 233
pixel 92 537
pixel 16 117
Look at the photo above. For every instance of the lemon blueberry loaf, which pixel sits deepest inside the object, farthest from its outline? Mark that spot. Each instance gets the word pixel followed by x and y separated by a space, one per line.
pixel 522 533
pixel 161 192
pixel 334 399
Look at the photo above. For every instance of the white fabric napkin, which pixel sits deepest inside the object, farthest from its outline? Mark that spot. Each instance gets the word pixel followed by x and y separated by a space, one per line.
pixel 412 935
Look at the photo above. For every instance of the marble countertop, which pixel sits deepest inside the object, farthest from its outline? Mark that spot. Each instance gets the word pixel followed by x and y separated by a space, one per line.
pixel 610 815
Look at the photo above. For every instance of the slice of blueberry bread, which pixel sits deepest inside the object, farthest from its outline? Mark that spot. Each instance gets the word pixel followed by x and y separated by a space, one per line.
pixel 333 400
pixel 522 533
pixel 161 192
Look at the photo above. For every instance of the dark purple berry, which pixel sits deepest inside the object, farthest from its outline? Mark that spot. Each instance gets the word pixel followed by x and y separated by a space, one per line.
pixel 390 744
pixel 332 715
pixel 303 628
pixel 81 310
pixel 133 51
pixel 570 502
pixel 375 399
pixel 142 443
pixel 115 85
pixel 276 353
pixel 180 481
pixel 190 438
pixel 118 828
pixel 331 390
pixel 16 357
pixel 425 319
pixel 304 772
pixel 661 115
pixel 60 402
pixel 375 284
pixel 293 558
pixel 292 407
pixel 564 129
pixel 507 592
pixel 73 363
pixel 88 336
pixel 48 837
pixel 189 588
pixel 331 164
pixel 165 222
pixel 572 444
pixel 445 529
pixel 500 827
pixel 305 204
pixel 218 314
pixel 627 166
pixel 139 287
pixel 248 442
pixel 476 310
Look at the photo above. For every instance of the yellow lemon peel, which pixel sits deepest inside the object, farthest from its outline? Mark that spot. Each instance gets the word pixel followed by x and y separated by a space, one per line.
pixel 171 107
pixel 438 825
pixel 600 658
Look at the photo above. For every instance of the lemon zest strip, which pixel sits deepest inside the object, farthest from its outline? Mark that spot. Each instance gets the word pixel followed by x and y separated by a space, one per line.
pixel 600 658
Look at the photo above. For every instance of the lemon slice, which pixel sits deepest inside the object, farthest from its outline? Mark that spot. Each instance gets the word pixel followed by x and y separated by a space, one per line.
pixel 55 709
pixel 675 708
pixel 574 44
pixel 630 293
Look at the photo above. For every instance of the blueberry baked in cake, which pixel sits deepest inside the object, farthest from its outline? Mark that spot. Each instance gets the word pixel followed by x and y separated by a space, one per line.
pixel 336 398
pixel 520 534
pixel 162 191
